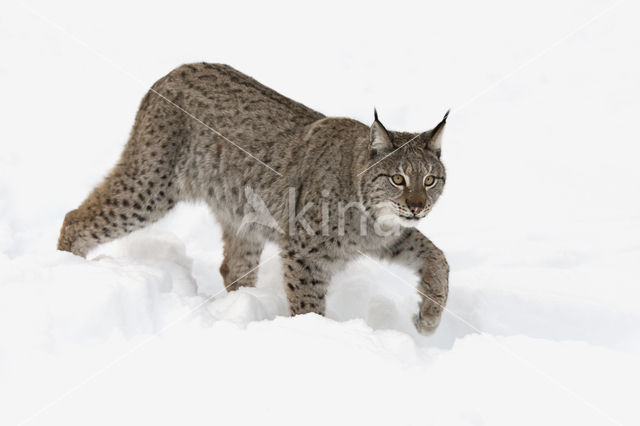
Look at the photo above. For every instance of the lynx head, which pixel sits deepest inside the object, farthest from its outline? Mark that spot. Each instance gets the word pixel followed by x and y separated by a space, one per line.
pixel 405 176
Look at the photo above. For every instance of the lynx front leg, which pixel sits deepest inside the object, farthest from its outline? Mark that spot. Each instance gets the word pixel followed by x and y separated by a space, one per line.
pixel 305 282
pixel 241 257
pixel 418 252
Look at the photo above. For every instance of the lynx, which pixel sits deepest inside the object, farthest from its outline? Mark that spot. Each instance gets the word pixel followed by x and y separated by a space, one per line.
pixel 327 190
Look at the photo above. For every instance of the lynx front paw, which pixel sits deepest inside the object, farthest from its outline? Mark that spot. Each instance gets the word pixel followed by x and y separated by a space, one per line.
pixel 428 317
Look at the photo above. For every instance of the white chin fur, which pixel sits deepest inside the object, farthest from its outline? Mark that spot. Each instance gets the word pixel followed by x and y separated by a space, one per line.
pixel 388 218
pixel 407 223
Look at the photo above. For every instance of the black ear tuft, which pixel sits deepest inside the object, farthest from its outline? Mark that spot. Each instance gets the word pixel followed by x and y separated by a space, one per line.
pixel 441 124
pixel 379 138
pixel 434 141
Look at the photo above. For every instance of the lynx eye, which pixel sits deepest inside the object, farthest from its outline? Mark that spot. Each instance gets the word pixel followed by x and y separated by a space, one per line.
pixel 429 180
pixel 397 179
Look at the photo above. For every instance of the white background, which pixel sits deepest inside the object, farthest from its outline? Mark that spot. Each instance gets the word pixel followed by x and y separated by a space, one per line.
pixel 540 219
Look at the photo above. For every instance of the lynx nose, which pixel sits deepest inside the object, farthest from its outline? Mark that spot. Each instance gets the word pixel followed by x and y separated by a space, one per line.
pixel 415 206
pixel 415 209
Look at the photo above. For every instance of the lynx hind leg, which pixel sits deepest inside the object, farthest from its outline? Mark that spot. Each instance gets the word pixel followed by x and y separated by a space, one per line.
pixel 305 282
pixel 241 258
pixel 121 204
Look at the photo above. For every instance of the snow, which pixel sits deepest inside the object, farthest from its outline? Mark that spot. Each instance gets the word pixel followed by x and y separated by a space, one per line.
pixel 540 220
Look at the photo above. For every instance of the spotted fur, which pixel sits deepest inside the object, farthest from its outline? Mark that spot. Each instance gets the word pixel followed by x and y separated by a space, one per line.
pixel 208 132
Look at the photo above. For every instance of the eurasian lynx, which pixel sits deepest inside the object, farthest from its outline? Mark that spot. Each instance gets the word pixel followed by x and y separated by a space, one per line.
pixel 331 189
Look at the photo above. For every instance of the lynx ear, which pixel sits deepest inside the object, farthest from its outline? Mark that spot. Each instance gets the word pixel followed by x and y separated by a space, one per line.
pixel 434 137
pixel 380 141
